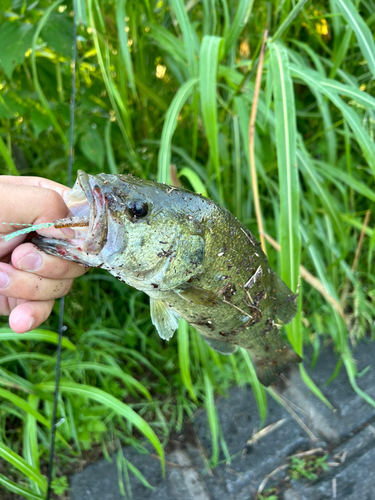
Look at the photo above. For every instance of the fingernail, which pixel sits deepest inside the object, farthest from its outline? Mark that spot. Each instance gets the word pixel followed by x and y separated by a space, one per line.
pixel 32 321
pixel 4 280
pixel 69 232
pixel 31 262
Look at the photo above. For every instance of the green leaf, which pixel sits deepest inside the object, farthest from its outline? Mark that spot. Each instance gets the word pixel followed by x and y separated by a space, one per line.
pixel 285 124
pixel 58 33
pixel 91 144
pixel 15 40
pixel 362 31
pixel 39 121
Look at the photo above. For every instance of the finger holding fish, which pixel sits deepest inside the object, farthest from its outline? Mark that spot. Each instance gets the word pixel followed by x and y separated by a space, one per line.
pixel 24 315
pixel 28 257
pixel 24 285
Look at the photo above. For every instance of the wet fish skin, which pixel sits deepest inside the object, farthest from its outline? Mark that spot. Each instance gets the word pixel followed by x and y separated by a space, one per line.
pixel 192 257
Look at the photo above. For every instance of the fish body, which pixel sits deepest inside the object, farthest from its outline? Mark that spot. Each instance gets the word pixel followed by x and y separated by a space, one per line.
pixel 190 255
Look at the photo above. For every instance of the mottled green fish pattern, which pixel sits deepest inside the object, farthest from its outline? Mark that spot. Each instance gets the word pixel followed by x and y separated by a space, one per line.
pixel 190 255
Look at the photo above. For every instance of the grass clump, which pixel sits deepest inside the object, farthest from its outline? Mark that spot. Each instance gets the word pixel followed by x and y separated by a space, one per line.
pixel 173 83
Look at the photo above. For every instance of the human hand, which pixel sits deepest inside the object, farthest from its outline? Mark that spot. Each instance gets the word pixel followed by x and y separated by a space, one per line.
pixel 30 279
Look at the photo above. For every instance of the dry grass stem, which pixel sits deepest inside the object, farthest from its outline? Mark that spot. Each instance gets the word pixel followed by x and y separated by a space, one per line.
pixel 312 280
pixel 285 403
pixel 356 256
pixel 253 174
pixel 264 432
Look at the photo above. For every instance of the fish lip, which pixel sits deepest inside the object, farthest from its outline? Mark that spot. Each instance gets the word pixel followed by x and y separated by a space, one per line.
pixel 92 188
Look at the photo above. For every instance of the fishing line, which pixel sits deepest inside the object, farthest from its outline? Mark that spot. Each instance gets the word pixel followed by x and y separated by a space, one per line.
pixel 61 313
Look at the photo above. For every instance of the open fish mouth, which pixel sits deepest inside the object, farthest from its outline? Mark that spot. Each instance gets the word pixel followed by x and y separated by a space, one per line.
pixel 87 204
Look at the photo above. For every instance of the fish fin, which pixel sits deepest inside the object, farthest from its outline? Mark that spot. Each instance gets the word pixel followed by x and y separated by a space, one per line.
pixel 286 302
pixel 196 295
pixel 219 346
pixel 164 318
pixel 269 369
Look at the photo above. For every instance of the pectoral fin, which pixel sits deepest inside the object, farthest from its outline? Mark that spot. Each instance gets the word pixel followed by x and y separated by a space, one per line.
pixel 164 318
pixel 222 347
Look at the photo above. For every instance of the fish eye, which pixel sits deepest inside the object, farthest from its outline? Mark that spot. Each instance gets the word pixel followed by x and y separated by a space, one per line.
pixel 137 209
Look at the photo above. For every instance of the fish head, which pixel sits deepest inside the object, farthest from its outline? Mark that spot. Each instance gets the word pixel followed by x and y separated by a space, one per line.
pixel 142 232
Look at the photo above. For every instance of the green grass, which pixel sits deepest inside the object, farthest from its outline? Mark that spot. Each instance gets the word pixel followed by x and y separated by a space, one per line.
pixel 173 83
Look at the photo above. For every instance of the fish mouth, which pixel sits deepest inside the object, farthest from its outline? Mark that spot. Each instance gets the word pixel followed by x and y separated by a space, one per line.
pixel 87 205
pixel 88 209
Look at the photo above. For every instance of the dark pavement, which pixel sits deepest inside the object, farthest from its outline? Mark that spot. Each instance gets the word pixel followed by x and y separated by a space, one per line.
pixel 346 434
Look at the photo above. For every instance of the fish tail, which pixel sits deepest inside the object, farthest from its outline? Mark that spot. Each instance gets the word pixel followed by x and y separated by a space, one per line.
pixel 286 306
pixel 269 369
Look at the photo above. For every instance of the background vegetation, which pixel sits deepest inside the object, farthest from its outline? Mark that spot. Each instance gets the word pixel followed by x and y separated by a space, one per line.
pixel 161 83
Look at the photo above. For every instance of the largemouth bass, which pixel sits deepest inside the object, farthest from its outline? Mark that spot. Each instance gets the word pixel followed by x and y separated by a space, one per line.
pixel 190 255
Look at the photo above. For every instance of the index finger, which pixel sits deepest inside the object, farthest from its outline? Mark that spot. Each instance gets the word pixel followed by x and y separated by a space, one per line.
pixel 32 205
pixel 34 181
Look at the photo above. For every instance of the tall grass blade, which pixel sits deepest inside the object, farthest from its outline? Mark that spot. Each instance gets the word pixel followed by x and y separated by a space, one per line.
pixel 116 372
pixel 114 404
pixel 20 463
pixel 184 357
pixel 194 179
pixel 258 389
pixel 189 36
pixel 19 490
pixel 352 372
pixel 208 63
pixel 313 79
pixel 288 20
pixel 38 335
pixel 27 408
pixel 36 83
pixel 288 179
pixel 170 124
pixel 8 157
pixel 243 11
pixel 314 180
pixel 212 417
pixel 363 33
pixel 119 107
pixel 313 387
pixel 123 42
pixel 108 148
pixel 30 439
pixel 331 91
